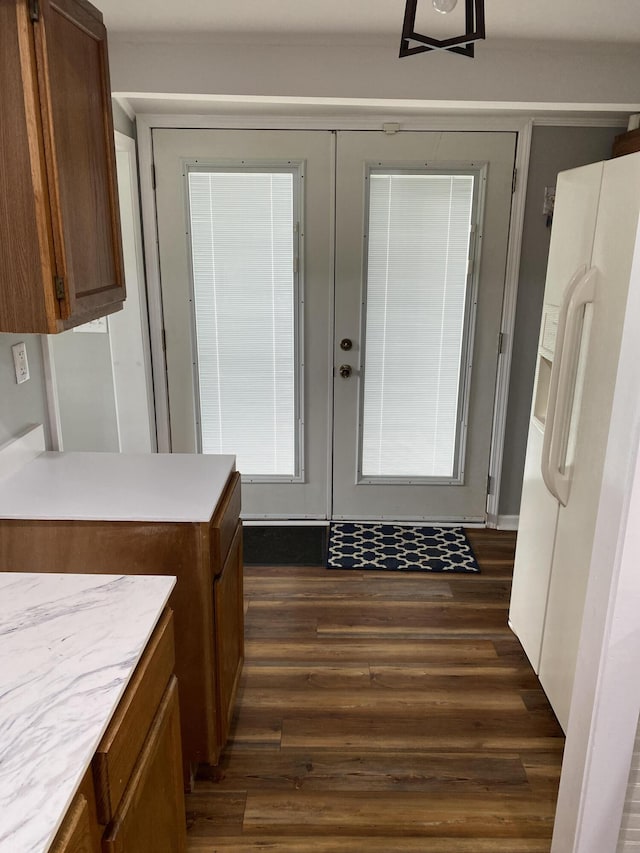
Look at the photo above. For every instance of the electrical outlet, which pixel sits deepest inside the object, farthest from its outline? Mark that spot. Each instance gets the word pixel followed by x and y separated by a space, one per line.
pixel 20 362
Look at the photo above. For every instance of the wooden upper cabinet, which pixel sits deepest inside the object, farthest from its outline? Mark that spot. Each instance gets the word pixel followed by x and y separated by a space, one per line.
pixel 60 247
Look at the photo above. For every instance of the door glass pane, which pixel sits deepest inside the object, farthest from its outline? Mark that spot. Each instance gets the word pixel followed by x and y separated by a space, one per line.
pixel 419 233
pixel 242 246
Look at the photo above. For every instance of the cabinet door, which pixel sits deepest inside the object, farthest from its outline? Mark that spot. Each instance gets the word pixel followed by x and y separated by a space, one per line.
pixel 75 99
pixel 229 632
pixel 151 813
pixel 26 253
pixel 117 753
pixel 75 834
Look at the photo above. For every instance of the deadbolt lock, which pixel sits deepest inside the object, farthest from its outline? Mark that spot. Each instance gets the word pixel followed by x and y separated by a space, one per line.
pixel 346 344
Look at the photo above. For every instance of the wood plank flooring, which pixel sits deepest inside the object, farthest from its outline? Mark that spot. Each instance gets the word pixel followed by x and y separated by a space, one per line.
pixel 384 713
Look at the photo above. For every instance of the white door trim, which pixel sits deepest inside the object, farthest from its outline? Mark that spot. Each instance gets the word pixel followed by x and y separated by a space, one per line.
pixel 51 390
pixel 512 277
pixel 127 145
pixel 332 329
pixel 154 292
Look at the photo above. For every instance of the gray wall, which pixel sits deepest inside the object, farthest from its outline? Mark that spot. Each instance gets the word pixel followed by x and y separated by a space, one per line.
pixel 325 67
pixel 21 405
pixel 553 150
pixel 85 390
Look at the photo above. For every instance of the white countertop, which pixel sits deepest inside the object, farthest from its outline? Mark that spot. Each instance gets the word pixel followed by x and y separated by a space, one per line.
pixel 68 647
pixel 116 487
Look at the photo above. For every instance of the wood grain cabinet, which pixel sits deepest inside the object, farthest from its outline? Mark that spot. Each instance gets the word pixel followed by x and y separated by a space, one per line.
pixel 131 799
pixel 207 601
pixel 75 834
pixel 151 813
pixel 229 632
pixel 60 247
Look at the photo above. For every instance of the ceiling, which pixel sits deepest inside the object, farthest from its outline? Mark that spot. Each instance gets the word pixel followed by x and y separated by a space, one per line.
pixel 566 20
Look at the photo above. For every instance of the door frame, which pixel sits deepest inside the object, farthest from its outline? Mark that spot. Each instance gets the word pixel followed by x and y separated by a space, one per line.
pixel 523 126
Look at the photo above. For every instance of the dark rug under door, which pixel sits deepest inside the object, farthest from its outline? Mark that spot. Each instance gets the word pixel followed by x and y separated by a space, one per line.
pixel 400 548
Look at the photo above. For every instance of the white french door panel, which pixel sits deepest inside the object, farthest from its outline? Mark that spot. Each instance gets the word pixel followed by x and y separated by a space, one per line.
pixel 404 267
pixel 310 156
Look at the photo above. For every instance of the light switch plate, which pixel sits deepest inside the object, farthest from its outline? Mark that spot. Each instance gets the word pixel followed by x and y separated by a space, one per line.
pixel 20 362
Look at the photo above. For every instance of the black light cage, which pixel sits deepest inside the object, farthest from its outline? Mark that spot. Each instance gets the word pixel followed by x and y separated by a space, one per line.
pixel 474 15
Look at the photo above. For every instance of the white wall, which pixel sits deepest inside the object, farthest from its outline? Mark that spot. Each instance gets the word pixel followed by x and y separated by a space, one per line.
pixel 86 394
pixel 103 400
pixel 508 71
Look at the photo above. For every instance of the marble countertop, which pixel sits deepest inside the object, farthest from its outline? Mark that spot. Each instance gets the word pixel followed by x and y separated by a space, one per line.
pixel 68 647
pixel 178 487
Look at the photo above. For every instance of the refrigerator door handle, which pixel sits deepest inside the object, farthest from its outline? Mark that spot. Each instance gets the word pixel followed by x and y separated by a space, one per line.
pixel 579 293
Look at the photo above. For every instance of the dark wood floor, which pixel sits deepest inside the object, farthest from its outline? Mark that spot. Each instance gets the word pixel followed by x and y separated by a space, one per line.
pixel 385 713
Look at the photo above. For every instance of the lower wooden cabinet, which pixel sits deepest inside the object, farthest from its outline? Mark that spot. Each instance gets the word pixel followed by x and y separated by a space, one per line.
pixel 229 632
pixel 132 798
pixel 206 558
pixel 75 835
pixel 151 815
pixel 117 754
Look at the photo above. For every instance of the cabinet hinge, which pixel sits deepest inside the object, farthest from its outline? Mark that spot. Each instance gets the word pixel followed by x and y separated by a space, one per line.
pixel 34 10
pixel 500 343
pixel 59 285
pixel 153 175
pixel 514 180
pixel 489 485
pixel 164 341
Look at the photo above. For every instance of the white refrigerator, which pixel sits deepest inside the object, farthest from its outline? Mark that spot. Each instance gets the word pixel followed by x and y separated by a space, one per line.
pixel 593 241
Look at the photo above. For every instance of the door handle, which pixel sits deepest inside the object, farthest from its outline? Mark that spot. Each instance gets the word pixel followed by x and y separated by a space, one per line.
pixel 581 291
pixel 345 370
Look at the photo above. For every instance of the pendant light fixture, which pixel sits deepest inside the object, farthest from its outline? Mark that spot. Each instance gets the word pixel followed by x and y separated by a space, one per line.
pixel 474 23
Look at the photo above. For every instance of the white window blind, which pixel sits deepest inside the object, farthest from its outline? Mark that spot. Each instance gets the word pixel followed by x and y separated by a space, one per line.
pixel 416 305
pixel 242 242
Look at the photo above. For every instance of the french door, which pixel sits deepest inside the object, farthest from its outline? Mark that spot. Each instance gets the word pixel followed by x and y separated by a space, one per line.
pixel 331 307
pixel 245 237
pixel 422 223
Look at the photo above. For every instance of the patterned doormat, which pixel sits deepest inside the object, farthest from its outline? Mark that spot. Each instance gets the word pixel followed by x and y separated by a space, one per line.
pixel 399 548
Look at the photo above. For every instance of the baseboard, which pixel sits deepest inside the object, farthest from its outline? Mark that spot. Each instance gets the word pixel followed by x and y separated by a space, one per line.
pixel 508 522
